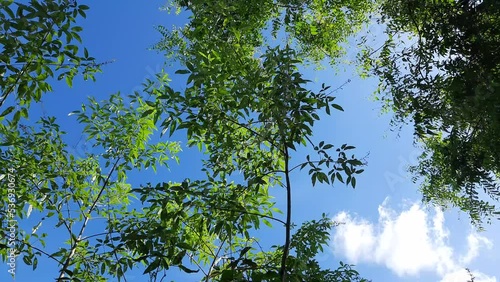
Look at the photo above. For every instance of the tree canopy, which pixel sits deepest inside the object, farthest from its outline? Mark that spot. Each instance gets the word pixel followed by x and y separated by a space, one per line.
pixel 244 102
pixel 39 40
pixel 245 105
pixel 446 81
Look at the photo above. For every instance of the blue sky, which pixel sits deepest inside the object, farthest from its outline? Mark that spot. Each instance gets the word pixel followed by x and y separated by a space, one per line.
pixel 386 232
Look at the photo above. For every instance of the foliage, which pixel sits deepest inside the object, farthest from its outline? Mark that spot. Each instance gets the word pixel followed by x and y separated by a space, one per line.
pixel 316 29
pixel 245 105
pixel 70 192
pixel 252 132
pixel 39 40
pixel 446 80
pixel 248 113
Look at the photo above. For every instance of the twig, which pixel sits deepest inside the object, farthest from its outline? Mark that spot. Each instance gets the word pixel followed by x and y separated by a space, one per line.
pixel 214 260
pixel 252 213
pixel 84 225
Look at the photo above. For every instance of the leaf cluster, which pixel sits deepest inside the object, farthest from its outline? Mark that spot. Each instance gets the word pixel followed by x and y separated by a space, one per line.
pixel 39 41
pixel 446 82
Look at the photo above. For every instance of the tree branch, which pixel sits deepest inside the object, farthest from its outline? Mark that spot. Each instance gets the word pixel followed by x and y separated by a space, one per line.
pixel 84 225
pixel 214 260
pixel 286 248
pixel 40 250
pixel 252 213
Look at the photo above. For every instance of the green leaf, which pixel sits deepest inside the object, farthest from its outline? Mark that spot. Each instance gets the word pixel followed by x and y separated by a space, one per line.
pixel 35 263
pixel 17 117
pixel 69 81
pixel 190 66
pixel 69 272
pixel 338 107
pixel 24 112
pixel 182 72
pixel 187 270
pixel 27 260
pixel 163 131
pixel 339 177
pixel 147 113
pixel 82 13
pixel 178 258
pixel 152 266
pixel 267 223
pixel 244 251
pixel 7 111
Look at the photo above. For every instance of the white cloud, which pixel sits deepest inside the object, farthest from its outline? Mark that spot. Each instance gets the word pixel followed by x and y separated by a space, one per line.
pixel 407 243
pixel 474 242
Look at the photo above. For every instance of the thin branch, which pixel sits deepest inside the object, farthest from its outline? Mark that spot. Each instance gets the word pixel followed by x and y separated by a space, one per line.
pixel 310 141
pixel 315 162
pixel 40 250
pixel 340 87
pixel 114 247
pixel 52 203
pixel 214 260
pixel 197 264
pixel 252 213
pixel 98 234
pixel 200 237
pixel 251 130
pixel 63 64
pixel 84 225
pixel 52 64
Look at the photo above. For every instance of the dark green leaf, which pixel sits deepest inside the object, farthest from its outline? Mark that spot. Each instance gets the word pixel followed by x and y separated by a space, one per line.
pixel 7 111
